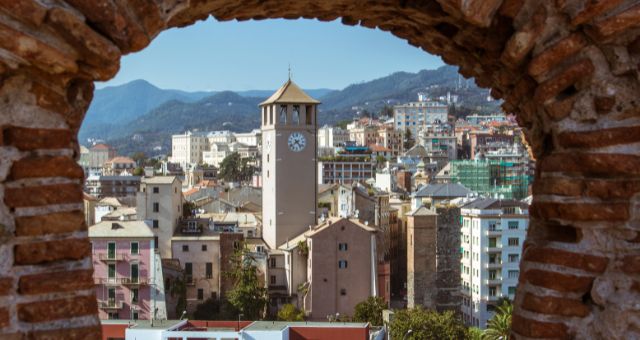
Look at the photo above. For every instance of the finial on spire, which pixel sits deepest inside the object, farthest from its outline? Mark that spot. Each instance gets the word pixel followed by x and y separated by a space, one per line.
pixel 289 71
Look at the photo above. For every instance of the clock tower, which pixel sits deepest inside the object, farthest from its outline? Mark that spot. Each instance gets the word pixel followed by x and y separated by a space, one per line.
pixel 288 164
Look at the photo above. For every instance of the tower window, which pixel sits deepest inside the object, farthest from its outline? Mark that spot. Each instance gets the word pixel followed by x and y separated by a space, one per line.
pixel 308 111
pixel 283 114
pixel 296 115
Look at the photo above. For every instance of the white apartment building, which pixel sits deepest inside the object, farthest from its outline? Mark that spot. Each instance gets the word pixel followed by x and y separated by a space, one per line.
pixel 252 138
pixel 415 115
pixel 224 136
pixel 364 135
pixel 493 232
pixel 159 202
pixel 332 136
pixel 187 148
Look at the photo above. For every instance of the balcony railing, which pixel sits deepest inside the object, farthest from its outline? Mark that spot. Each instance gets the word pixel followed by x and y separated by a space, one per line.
pixel 110 304
pixel 493 282
pixel 189 280
pixel 494 249
pixel 495 265
pixel 112 257
pixel 132 281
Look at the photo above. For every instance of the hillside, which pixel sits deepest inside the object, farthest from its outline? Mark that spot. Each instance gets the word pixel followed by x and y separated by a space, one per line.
pixel 225 110
pixel 118 113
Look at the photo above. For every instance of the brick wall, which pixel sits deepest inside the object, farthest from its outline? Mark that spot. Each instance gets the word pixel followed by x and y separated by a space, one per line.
pixel 568 69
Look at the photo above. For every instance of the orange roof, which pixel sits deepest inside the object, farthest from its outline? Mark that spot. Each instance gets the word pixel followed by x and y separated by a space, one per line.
pixel 378 148
pixel 100 147
pixel 191 191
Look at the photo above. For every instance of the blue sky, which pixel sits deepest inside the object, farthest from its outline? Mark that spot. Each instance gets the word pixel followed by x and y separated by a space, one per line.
pixel 251 55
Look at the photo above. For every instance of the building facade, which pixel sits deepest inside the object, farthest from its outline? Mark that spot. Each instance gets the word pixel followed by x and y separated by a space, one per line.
pixel 127 272
pixel 493 232
pixel 415 116
pixel 159 202
pixel 187 148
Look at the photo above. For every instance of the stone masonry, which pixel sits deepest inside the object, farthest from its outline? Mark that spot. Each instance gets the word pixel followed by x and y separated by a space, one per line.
pixel 568 69
pixel 433 259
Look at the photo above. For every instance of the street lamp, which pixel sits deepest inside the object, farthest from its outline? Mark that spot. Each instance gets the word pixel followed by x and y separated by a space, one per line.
pixel 407 334
pixel 239 317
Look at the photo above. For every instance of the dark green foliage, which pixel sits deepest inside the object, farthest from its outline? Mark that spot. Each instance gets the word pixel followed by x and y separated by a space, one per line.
pixel 248 296
pixel 235 169
pixel 370 311
pixel 427 325
pixel 499 327
pixel 179 290
pixel 409 141
pixel 213 309
pixel 289 312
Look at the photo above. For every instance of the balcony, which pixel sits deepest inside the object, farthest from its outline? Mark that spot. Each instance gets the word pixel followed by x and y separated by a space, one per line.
pixel 495 265
pixel 110 304
pixel 134 281
pixel 189 280
pixel 277 287
pixel 111 257
pixel 127 281
pixel 494 232
pixel 494 249
pixel 493 282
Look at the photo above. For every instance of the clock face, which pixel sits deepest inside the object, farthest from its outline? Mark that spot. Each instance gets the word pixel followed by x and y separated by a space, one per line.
pixel 297 142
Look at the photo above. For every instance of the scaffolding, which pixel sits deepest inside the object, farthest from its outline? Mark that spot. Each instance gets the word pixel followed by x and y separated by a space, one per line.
pixel 493 178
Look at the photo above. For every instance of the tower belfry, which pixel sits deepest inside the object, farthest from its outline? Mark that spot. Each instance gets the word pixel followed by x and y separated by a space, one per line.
pixel 288 163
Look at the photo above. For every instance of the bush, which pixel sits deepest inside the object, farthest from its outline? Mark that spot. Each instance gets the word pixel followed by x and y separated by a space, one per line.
pixel 427 325
pixel 289 312
pixel 370 311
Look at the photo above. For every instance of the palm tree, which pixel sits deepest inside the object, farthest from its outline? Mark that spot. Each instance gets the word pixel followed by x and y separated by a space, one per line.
pixel 499 327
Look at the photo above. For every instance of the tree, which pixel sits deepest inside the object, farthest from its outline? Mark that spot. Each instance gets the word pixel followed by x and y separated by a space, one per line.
pixel 499 327
pixel 248 296
pixel 370 310
pixel 187 209
pixel 343 123
pixel 289 312
pixel 426 325
pixel 139 158
pixel 213 309
pixel 179 289
pixel 233 168
pixel 475 333
pixel 380 160
pixel 408 140
pixel 138 171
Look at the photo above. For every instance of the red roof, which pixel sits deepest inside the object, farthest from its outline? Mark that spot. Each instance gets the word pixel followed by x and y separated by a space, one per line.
pixel 100 147
pixel 378 148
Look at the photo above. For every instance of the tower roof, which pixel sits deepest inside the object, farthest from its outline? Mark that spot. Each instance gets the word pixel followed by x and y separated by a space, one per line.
pixel 290 93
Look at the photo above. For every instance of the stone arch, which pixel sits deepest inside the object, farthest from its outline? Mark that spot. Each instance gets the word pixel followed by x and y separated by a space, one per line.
pixel 567 68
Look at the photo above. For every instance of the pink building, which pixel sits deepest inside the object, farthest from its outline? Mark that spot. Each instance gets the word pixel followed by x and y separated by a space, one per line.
pixel 125 270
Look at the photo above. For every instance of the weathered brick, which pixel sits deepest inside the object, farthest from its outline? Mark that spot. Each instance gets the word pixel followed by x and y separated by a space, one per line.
pixel 581 211
pixel 480 12
pixel 591 263
pixel 46 166
pixel 592 9
pixel 55 223
pixel 49 99
pixel 565 283
pixel 554 305
pixel 569 76
pixel 603 105
pixel 561 186
pixel 4 318
pixel 599 138
pixel 42 252
pixel 50 310
pixel 538 329
pixel 521 43
pixel 560 109
pixel 43 55
pixel 29 11
pixel 43 195
pixel 28 139
pixel 631 264
pixel 618 23
pixel 549 58
pixel 56 282
pixel 511 8
pixel 591 164
pixel 93 332
pixel 6 285
pixel 576 187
